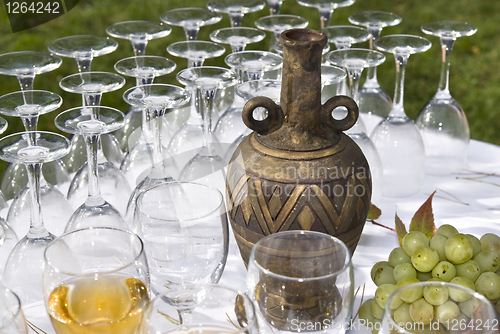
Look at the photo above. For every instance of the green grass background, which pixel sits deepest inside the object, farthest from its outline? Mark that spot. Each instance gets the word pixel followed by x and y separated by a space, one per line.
pixel 475 78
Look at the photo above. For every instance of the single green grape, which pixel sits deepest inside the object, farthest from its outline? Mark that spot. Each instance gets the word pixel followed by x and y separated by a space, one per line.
pixel 469 306
pixel 469 269
pixel 488 261
pixel 444 270
pixel 491 242
pixel 424 259
pixel 422 277
pixel 414 240
pixel 488 284
pixel 458 249
pixel 398 256
pixel 446 230
pixel 446 312
pixel 403 270
pixel 402 316
pixel 460 295
pixel 476 244
pixel 383 292
pixel 383 275
pixel 437 243
pixel 365 313
pixel 376 310
pixel 435 294
pixel 411 294
pixel 421 311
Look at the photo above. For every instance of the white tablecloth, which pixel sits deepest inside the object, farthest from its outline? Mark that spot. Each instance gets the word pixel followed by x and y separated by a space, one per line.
pixel 470 201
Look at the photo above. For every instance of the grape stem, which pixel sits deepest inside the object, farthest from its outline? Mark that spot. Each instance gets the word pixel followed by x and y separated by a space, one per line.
pixel 361 302
pixel 378 224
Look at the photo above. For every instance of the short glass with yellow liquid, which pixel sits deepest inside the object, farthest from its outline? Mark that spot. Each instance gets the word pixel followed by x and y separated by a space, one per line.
pixel 96 281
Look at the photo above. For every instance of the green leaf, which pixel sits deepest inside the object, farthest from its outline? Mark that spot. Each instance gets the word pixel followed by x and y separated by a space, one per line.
pixel 400 230
pixel 374 212
pixel 423 220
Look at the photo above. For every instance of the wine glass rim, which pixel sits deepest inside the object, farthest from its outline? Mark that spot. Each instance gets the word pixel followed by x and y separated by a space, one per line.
pixel 346 266
pixel 170 184
pixel 474 294
pixel 19 309
pixel 75 274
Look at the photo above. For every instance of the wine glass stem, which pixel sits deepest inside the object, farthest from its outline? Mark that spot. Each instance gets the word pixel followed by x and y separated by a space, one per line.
pixel 206 97
pixel 237 47
pixel 191 33
pixel 274 7
pixel 235 18
pixel 37 228
pixel 195 62
pixel 139 46
pixel 26 81
pixel 354 77
pixel 83 62
pixel 185 316
pixel 325 15
pixel 92 144
pixel 152 130
pixel 398 108
pixel 92 99
pixel 371 74
pixel 144 80
pixel 444 80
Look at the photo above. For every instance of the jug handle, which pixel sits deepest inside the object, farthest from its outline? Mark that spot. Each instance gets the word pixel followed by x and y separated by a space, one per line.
pixel 271 123
pixel 339 101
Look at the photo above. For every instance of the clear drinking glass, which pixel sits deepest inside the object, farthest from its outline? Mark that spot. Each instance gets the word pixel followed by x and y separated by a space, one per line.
pixel 11 313
pixel 397 139
pixel 185 230
pixel 298 279
pixel 201 309
pixel 196 51
pixel 237 37
pixel 442 121
pixel 438 307
pixel 96 280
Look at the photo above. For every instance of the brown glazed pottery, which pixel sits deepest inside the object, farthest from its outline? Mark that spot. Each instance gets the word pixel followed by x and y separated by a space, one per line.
pixel 298 170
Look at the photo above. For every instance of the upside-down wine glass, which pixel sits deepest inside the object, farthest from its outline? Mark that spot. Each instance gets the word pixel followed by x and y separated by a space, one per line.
pixel 397 139
pixel 191 19
pixel 236 9
pixel 11 313
pixel 114 185
pixel 196 51
pixel 155 99
pixel 355 61
pixel 8 237
pixel 139 33
pixel 442 121
pixel 373 100
pixel 96 280
pixel 24 266
pixel 83 48
pixel 90 122
pixel 276 24
pixel 185 231
pixel 29 105
pixel 237 37
pixel 325 8
pixel 207 166
pixel 145 69
pixel 248 65
pixel 331 79
pixel 25 65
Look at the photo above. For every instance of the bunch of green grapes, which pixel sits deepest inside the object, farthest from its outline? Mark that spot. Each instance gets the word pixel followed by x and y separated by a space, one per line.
pixel 449 256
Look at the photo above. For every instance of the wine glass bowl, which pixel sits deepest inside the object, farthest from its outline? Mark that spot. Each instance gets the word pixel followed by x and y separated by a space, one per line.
pixel 11 313
pixel 442 121
pixel 185 230
pixel 299 278
pixel 96 280
pixel 190 19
